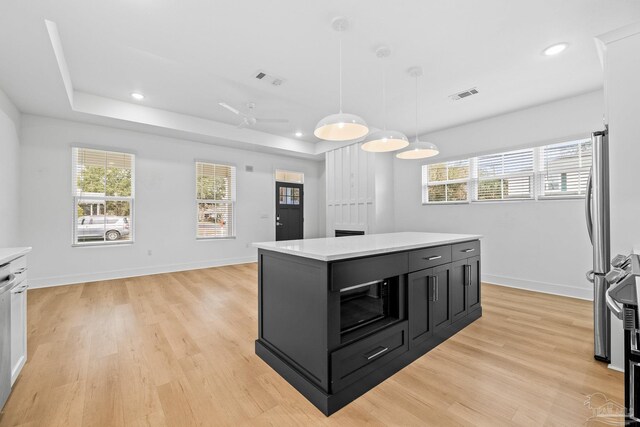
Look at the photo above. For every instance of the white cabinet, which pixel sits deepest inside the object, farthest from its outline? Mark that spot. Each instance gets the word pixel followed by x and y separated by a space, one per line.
pixel 18 319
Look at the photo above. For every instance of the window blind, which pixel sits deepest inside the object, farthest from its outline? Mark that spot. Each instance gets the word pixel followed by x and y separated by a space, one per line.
pixel 103 196
pixel 549 171
pixel 446 182
pixel 565 168
pixel 505 176
pixel 215 194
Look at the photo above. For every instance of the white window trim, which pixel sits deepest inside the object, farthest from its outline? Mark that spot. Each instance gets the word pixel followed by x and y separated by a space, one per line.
pixel 473 179
pixel 540 173
pixel 447 182
pixel 75 197
pixel 233 201
pixel 428 184
pixel 105 242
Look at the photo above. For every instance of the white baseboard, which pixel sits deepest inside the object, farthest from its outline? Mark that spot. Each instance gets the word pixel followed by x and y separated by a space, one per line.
pixel 546 288
pixel 47 282
pixel 16 372
pixel 616 368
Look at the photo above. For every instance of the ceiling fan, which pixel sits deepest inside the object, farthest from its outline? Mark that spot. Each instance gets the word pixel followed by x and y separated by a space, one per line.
pixel 249 119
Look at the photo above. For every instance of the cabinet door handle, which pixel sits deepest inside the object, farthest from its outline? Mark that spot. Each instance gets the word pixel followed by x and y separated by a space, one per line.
pixel 431 258
pixel 468 250
pixel 377 353
pixel 467 270
pixel 436 289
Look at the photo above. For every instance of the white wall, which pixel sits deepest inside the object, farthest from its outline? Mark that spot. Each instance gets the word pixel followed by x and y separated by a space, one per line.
pixel 622 68
pixel 9 172
pixel 359 192
pixel 165 211
pixel 384 185
pixel 322 197
pixel 540 245
pixel 350 184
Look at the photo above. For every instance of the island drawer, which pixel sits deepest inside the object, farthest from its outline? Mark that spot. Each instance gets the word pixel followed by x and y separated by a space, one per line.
pixel 429 257
pixel 18 265
pixel 357 360
pixel 357 271
pixel 465 250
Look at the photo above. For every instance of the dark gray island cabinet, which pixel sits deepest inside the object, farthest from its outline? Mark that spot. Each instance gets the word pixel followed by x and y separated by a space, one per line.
pixel 337 316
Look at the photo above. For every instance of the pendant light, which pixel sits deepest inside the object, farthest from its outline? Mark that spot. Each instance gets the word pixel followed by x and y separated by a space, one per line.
pixel 341 126
pixel 384 140
pixel 418 149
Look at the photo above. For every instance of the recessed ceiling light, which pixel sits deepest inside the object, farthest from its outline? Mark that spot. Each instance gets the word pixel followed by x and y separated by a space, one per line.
pixel 555 49
pixel 298 134
pixel 137 96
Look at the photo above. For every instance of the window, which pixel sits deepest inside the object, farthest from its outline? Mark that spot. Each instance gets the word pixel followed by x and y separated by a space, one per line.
pixel 505 176
pixel 103 196
pixel 216 197
pixel 289 196
pixel 289 176
pixel 565 168
pixel 546 172
pixel 446 182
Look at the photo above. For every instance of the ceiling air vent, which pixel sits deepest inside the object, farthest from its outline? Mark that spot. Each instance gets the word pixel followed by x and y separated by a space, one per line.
pixel 464 94
pixel 270 79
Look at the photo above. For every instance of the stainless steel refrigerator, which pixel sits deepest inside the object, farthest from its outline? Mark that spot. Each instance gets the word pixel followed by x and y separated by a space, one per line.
pixel 597 213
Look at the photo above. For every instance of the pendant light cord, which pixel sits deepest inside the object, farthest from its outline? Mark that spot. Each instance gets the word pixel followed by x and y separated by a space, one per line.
pixel 340 74
pixel 384 97
pixel 416 108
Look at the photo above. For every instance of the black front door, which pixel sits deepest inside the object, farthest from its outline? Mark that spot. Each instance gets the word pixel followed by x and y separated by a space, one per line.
pixel 289 211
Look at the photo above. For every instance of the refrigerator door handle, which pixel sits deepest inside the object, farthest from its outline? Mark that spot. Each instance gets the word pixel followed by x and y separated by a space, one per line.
pixel 587 207
pixel 613 304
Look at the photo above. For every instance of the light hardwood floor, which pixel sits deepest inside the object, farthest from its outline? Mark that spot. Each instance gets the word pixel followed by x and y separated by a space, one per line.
pixel 178 349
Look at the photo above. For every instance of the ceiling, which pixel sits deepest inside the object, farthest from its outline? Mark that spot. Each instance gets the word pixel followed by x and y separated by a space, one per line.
pixel 188 56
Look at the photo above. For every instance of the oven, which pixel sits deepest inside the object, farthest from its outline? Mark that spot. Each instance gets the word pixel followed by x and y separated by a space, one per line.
pixel 368 306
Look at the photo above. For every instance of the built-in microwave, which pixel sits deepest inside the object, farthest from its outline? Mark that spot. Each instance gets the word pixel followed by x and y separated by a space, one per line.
pixel 368 306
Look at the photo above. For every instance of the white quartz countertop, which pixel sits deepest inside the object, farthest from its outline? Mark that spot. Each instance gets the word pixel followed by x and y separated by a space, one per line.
pixel 9 254
pixel 336 248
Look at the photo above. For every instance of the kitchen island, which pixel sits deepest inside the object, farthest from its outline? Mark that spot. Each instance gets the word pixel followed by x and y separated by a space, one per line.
pixel 337 316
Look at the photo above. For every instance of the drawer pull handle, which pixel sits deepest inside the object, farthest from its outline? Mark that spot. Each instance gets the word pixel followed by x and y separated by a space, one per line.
pixel 20 289
pixel 377 353
pixel 468 250
pixel 432 258
pixel 21 270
